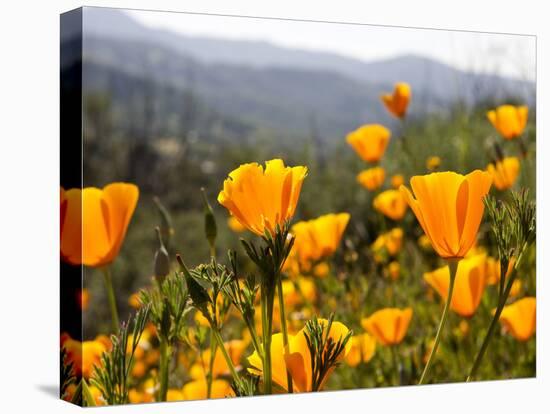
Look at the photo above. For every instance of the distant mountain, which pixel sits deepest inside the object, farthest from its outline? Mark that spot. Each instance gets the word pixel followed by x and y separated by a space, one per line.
pixel 429 78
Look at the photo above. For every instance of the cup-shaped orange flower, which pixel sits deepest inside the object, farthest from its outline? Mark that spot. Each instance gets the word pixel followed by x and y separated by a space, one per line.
pixel 297 358
pixel 391 203
pixel 262 199
pixel 389 325
pixel 469 284
pixel 449 207
pixel 504 172
pixel 235 225
pixel 509 120
pixel 391 241
pixel 520 318
pixel 198 389
pixel 398 101
pixel 318 238
pixel 370 141
pixel 362 349
pixel 372 179
pixel 94 222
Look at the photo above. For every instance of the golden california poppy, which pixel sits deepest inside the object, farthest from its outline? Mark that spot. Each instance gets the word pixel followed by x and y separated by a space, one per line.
pixel 362 349
pixel 520 318
pixel 504 172
pixel 391 241
pixel 509 120
pixel 372 179
pixel 94 222
pixel 469 284
pixel 449 207
pixel 388 325
pixel 433 163
pixel 391 203
pixel 398 102
pixel 297 358
pixel 318 238
pixel 262 199
pixel 369 141
pixel 397 181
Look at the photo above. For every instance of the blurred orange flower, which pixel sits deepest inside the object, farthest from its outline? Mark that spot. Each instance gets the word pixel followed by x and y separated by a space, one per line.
pixel 391 203
pixel 398 102
pixel 260 200
pixel 509 120
pixel 234 348
pixel 449 207
pixel 433 163
pixel 397 181
pixel 94 222
pixel 369 141
pixel 83 298
pixel 394 269
pixel 388 325
pixel 504 172
pixel 469 284
pixel 520 319
pixel 198 389
pixel 391 241
pixel 362 349
pixel 372 179
pixel 318 238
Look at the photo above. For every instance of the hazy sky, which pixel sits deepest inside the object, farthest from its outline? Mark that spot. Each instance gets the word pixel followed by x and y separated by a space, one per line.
pixel 511 55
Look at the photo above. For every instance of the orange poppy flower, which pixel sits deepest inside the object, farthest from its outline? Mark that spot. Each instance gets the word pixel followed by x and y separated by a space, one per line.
pixel 388 325
pixel 297 359
pixel 469 284
pixel 391 203
pixel 94 222
pixel 520 318
pixel 504 172
pixel 372 179
pixel 260 200
pixel 449 207
pixel 370 141
pixel 398 102
pixel 362 349
pixel 509 120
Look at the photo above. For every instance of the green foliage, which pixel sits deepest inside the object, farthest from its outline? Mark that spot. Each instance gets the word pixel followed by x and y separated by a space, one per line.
pixel 324 350
pixel 112 378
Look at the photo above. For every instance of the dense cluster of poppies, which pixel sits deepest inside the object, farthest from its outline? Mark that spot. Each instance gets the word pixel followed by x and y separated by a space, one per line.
pixel 283 344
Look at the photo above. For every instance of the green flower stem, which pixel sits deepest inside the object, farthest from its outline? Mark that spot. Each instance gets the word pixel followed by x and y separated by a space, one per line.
pixel 226 356
pixel 111 298
pixel 267 318
pixel 209 376
pixel 492 327
pixel 165 352
pixel 283 327
pixel 453 265
pixel 395 363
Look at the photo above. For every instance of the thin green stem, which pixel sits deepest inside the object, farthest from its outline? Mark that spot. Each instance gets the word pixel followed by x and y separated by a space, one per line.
pixel 453 265
pixel 111 298
pixel 267 317
pixel 284 328
pixel 163 368
pixel 226 356
pixel 492 328
pixel 395 363
pixel 209 376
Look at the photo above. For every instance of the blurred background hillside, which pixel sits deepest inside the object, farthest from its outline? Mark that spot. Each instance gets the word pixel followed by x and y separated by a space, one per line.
pixel 174 111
